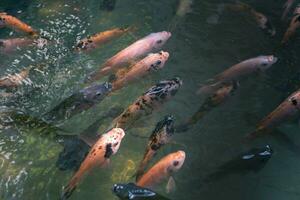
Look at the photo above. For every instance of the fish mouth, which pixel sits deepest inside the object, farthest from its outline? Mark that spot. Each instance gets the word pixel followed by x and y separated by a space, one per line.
pixel 164 54
pixel 168 34
pixel 272 59
pixel 120 132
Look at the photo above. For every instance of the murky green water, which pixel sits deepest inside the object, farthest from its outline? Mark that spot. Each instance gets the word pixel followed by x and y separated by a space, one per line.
pixel 199 48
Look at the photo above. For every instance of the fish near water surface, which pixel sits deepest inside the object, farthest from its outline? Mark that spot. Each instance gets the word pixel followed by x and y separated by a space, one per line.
pixel 287 110
pixel 131 191
pixel 160 136
pixel 238 71
pixel 138 49
pixel 151 100
pixel 16 24
pixel 99 39
pixel 216 99
pixel 253 160
pixel 15 80
pixel 99 155
pixel 151 63
pixel 162 170
pixel 79 102
pixel 10 45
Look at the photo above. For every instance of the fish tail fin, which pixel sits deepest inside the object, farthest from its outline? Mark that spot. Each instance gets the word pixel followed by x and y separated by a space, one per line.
pixel 69 189
pixel 141 169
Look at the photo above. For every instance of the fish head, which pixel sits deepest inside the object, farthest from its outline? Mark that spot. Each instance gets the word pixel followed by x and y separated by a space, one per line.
pixel 295 100
pixel 265 62
pixel 176 161
pixel 159 39
pixel 131 191
pixel 164 89
pixel 113 141
pixel 265 24
pixel 166 126
pixel 157 61
pixel 96 92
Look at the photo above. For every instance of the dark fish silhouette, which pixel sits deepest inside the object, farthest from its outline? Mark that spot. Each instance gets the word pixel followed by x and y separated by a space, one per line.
pixel 253 160
pixel 108 5
pixel 131 191
pixel 79 102
pixel 213 101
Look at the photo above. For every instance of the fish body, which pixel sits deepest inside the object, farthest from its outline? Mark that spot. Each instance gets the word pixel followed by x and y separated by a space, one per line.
pixel 184 7
pixel 236 72
pixel 213 101
pixel 131 191
pixel 152 62
pixel 287 7
pixel 99 155
pixel 162 170
pixel 149 101
pixel 16 24
pixel 253 160
pixel 290 32
pixel 138 49
pixel 11 45
pixel 261 20
pixel 16 80
pixel 287 110
pixel 100 39
pixel 79 102
pixel 160 136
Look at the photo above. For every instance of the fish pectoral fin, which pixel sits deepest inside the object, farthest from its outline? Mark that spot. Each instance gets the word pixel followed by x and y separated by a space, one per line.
pixel 171 185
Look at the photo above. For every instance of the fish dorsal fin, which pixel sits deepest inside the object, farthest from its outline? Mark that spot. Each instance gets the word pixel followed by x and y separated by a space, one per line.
pixel 3 13
pixel 171 185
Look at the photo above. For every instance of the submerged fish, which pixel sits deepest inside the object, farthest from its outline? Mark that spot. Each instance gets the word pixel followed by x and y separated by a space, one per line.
pixel 160 136
pixel 290 32
pixel 217 98
pixel 16 80
pixel 261 20
pixel 10 45
pixel 100 39
pixel 184 7
pixel 131 191
pixel 152 42
pixel 162 170
pixel 79 102
pixel 287 7
pixel 99 155
pixel 149 101
pixel 108 5
pixel 152 62
pixel 16 24
pixel 236 72
pixel 287 110
pixel 253 160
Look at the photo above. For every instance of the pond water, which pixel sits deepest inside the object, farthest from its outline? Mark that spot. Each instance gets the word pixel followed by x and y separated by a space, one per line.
pixel 204 42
